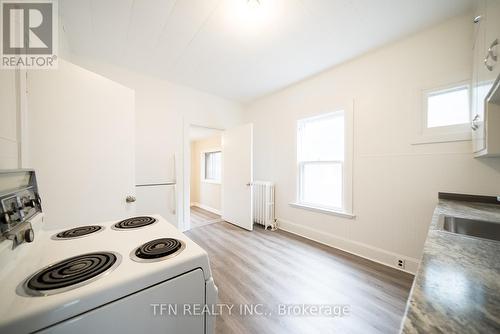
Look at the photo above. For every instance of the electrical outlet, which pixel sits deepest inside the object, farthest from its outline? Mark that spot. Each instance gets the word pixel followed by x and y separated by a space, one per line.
pixel 401 263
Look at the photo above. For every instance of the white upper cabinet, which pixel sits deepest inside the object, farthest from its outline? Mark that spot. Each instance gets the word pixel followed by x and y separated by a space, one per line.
pixel 492 56
pixel 486 68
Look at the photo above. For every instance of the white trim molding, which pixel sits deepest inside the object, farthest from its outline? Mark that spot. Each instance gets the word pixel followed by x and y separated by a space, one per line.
pixel 206 207
pixel 327 211
pixel 211 181
pixel 356 248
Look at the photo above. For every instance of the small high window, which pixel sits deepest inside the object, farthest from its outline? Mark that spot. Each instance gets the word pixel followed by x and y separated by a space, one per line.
pixel 444 115
pixel 448 107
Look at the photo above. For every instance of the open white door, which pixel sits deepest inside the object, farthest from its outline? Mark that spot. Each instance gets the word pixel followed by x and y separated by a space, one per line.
pixel 237 176
pixel 81 134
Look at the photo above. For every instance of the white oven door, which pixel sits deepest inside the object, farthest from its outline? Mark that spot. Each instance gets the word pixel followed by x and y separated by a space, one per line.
pixel 136 313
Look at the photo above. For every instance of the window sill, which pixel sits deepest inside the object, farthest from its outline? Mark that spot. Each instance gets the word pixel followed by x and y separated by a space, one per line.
pixel 441 138
pixel 331 212
pixel 211 181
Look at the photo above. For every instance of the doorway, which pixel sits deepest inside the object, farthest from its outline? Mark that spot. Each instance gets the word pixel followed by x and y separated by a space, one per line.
pixel 205 176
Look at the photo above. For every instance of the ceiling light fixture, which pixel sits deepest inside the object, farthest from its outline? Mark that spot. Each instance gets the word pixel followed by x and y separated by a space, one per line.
pixel 251 16
pixel 253 3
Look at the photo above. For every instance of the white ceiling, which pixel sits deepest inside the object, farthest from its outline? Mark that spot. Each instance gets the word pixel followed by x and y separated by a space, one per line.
pixel 240 50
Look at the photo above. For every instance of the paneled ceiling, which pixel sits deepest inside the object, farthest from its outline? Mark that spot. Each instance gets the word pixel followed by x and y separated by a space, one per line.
pixel 241 49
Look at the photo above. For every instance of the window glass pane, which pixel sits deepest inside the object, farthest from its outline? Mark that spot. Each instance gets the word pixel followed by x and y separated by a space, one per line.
pixel 322 184
pixel 213 166
pixel 322 139
pixel 448 108
pixel 208 159
pixel 217 166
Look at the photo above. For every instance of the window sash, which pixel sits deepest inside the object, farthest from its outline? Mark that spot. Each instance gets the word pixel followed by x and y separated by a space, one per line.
pixel 301 167
pixel 302 124
pixel 451 128
pixel 212 170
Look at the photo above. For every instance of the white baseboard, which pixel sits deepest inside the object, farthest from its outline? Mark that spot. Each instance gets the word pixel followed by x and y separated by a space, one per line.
pixel 357 248
pixel 206 207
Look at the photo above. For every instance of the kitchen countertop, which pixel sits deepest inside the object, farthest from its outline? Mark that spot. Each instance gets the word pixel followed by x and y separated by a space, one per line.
pixel 457 286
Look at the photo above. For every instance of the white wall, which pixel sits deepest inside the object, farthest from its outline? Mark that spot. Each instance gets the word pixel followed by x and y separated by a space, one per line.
pixel 203 194
pixel 9 113
pixel 63 43
pixel 164 112
pixel 395 183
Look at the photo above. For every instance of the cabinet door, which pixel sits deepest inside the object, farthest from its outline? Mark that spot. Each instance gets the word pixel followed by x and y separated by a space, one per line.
pixel 8 124
pixel 493 38
pixel 480 87
pixel 81 135
pixel 488 67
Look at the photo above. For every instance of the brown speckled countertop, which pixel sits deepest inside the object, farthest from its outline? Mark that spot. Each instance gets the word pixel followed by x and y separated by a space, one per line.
pixel 457 286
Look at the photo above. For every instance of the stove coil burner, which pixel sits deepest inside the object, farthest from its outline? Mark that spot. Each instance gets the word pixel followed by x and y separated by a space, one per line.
pixel 157 250
pixel 134 222
pixel 71 273
pixel 78 232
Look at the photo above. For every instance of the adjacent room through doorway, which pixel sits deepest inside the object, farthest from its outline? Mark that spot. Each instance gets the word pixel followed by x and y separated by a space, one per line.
pixel 206 175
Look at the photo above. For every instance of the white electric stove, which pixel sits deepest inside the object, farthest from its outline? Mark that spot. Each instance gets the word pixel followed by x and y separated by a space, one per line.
pixel 130 276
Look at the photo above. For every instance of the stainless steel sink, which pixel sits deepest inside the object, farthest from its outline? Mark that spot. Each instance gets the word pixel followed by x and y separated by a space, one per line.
pixel 470 227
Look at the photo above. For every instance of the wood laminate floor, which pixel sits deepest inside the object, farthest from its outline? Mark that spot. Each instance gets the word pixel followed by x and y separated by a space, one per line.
pixel 201 217
pixel 274 269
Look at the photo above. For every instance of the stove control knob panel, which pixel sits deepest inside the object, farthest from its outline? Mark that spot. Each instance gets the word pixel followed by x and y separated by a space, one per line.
pixel 18 208
pixel 21 234
pixel 11 211
pixel 19 205
pixel 29 235
pixel 28 202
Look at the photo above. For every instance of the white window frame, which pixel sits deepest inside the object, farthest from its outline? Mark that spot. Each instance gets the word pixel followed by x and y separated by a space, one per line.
pixel 442 134
pixel 203 165
pixel 346 211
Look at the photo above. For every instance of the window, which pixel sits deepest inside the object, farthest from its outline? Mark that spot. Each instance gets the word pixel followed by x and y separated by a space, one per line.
pixel 212 166
pixel 321 151
pixel 448 107
pixel 445 115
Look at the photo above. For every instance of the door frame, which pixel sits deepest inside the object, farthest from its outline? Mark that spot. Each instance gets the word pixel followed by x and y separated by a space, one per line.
pixel 184 219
